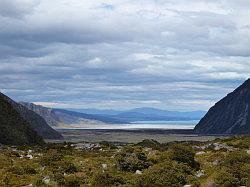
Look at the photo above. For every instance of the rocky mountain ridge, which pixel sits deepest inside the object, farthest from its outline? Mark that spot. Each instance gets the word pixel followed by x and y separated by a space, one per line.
pixel 231 115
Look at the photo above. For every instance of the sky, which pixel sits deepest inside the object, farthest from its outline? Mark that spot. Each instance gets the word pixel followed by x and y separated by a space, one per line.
pixel 170 54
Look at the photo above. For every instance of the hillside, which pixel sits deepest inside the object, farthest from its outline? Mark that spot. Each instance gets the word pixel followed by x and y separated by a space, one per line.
pixel 221 162
pixel 59 118
pixel 47 113
pixel 37 122
pixel 231 115
pixel 14 129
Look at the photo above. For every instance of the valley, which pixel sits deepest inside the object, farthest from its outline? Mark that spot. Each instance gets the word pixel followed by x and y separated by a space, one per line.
pixel 124 93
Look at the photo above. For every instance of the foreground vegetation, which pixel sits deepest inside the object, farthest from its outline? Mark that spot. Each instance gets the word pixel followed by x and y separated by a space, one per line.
pixel 222 162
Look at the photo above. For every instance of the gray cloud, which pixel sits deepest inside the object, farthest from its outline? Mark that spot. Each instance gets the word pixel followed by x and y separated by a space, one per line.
pixel 17 8
pixel 181 55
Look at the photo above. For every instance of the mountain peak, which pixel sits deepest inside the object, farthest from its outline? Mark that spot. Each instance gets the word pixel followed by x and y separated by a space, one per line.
pixel 246 84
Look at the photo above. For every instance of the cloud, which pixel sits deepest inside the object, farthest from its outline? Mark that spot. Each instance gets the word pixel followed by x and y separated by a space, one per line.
pixel 123 54
pixel 17 8
pixel 94 63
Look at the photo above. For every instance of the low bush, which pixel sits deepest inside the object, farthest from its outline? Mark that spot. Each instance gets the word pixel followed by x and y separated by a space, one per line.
pixel 234 170
pixel 169 173
pixel 131 159
pixel 183 154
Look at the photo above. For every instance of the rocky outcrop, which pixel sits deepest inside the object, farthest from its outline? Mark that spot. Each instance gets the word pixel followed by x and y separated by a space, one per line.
pixel 48 114
pixel 231 115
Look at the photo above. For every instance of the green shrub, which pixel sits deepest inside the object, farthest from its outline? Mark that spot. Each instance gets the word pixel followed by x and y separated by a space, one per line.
pixel 235 158
pixel 72 181
pixel 150 143
pixel 169 173
pixel 225 179
pixel 22 170
pixel 103 179
pixel 235 170
pixel 39 181
pixel 131 159
pixel 59 178
pixel 69 167
pixel 183 154
pixel 51 157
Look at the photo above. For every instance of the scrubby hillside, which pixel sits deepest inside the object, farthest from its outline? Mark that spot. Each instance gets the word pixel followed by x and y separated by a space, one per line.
pixel 223 162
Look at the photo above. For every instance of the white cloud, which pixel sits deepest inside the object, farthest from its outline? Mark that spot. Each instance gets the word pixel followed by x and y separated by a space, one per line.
pixel 145 56
pixel 94 63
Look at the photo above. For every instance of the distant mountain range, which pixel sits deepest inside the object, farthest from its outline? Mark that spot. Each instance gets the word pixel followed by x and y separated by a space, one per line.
pixel 231 115
pixel 19 125
pixel 73 118
pixel 96 111
pixel 145 114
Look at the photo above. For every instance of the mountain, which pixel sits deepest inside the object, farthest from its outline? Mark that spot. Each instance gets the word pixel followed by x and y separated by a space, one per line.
pixel 153 114
pixel 103 119
pixel 109 112
pixel 37 122
pixel 160 112
pixel 145 114
pixel 59 118
pixel 231 115
pixel 47 114
pixel 15 130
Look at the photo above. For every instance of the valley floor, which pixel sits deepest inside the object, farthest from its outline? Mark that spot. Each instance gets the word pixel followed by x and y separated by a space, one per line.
pixel 132 136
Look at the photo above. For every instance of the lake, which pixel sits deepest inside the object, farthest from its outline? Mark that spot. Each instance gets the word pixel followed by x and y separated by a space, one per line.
pixel 162 131
pixel 144 125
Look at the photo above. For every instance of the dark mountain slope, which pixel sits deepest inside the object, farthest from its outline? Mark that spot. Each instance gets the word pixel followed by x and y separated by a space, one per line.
pixel 231 115
pixel 14 130
pixel 36 121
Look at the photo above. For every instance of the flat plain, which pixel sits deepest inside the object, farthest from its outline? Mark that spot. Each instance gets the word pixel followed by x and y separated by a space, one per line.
pixel 132 136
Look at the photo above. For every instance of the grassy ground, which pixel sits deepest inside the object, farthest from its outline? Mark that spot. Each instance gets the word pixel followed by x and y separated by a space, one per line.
pixel 224 162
